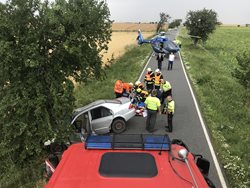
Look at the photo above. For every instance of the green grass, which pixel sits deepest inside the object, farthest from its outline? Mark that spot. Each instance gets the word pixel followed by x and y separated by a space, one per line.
pixel 224 102
pixel 127 68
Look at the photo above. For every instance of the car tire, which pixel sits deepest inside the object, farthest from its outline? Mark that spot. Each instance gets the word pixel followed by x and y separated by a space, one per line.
pixel 118 126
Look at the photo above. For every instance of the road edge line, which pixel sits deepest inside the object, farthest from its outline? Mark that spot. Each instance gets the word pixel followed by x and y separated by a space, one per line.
pixel 145 66
pixel 217 166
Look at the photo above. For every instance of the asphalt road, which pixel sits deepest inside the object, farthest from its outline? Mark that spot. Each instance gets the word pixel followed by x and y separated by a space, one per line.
pixel 186 123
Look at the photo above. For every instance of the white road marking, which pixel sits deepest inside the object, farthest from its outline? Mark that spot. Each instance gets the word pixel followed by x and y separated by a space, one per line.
pixel 217 166
pixel 140 77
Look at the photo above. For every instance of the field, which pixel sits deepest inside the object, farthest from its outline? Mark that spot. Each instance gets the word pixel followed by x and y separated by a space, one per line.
pixel 224 102
pixel 144 27
pixel 124 36
pixel 120 41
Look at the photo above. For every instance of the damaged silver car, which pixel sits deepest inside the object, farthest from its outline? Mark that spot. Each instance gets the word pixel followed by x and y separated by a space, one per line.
pixel 102 116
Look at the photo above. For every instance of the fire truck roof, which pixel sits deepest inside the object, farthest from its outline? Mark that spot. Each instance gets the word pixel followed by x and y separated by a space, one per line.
pixel 123 168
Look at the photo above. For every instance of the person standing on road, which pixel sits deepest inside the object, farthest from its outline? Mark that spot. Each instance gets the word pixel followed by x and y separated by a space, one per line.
pixel 160 58
pixel 171 61
pixel 153 105
pixel 166 90
pixel 157 79
pixel 169 107
pixel 149 79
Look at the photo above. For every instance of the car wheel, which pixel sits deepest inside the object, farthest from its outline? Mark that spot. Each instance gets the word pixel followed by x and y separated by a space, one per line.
pixel 118 126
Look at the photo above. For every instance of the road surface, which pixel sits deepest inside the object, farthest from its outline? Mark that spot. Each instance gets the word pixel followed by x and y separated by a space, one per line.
pixel 186 122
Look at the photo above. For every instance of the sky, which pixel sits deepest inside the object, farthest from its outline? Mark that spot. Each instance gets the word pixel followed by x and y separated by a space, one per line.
pixel 229 11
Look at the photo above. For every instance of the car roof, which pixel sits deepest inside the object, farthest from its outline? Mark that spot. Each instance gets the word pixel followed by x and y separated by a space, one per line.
pixel 82 167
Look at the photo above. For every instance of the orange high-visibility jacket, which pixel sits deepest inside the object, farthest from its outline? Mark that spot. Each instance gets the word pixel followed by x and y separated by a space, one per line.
pixel 127 87
pixel 118 86
pixel 158 80
pixel 144 94
pixel 149 77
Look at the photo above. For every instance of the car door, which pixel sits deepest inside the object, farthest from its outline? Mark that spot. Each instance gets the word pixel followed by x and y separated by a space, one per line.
pixel 81 126
pixel 101 119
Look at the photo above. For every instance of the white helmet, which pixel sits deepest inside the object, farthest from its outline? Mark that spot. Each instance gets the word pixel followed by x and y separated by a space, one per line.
pixel 149 69
pixel 137 82
pixel 131 84
pixel 157 70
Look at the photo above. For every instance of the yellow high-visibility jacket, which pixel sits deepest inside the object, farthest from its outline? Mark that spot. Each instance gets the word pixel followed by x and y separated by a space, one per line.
pixel 171 106
pixel 166 86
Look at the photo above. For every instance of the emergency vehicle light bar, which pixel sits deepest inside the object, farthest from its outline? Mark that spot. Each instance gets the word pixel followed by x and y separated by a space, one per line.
pixel 128 141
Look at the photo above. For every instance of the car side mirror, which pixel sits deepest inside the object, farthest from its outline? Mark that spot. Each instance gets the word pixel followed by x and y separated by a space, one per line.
pixel 204 165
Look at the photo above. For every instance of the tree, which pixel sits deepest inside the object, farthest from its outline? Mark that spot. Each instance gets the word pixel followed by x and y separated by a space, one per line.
pixel 164 17
pixel 43 47
pixel 200 24
pixel 242 72
pixel 175 23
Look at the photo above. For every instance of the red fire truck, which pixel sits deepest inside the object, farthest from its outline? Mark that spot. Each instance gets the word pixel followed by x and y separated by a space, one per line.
pixel 124 161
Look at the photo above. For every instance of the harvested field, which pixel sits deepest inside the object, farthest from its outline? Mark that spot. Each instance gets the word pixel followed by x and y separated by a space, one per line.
pixel 120 41
pixel 124 35
pixel 144 27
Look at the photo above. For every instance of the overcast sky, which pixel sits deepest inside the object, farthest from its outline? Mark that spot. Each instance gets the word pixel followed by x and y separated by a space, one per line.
pixel 229 11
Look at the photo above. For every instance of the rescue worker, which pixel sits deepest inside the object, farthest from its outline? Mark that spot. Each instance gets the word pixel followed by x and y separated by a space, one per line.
pixel 138 101
pixel 127 89
pixel 138 97
pixel 141 86
pixel 160 58
pixel 153 105
pixel 166 90
pixel 158 78
pixel 169 107
pixel 138 84
pixel 149 79
pixel 144 95
pixel 118 88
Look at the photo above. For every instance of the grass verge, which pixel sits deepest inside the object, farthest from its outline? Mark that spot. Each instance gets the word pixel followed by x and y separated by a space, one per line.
pixel 223 101
pixel 127 68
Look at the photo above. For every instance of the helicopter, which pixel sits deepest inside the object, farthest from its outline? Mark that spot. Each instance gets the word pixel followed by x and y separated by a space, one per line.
pixel 160 43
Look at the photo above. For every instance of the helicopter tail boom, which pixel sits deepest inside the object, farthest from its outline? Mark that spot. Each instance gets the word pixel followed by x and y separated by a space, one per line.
pixel 140 39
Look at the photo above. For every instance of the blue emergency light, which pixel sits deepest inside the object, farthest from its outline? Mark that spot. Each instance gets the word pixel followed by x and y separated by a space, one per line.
pixel 128 141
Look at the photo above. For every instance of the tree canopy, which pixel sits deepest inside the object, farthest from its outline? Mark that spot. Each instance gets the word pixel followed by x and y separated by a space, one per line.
pixel 164 17
pixel 43 47
pixel 200 24
pixel 175 23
